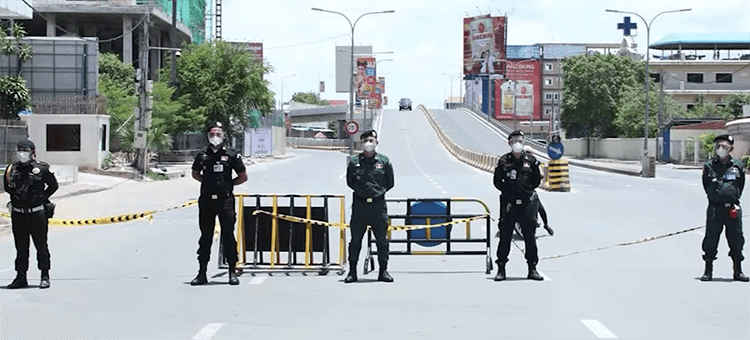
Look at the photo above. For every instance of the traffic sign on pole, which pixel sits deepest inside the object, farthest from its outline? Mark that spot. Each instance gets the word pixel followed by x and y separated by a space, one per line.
pixel 351 127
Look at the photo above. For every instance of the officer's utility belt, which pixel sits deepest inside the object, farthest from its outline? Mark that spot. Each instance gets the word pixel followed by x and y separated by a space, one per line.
pixel 217 195
pixel 369 199
pixel 29 210
pixel 723 205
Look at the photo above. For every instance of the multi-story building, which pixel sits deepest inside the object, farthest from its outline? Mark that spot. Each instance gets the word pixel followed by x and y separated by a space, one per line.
pixel 119 24
pixel 702 68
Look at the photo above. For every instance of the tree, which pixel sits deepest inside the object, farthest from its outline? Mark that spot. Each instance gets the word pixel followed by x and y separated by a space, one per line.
pixel 117 85
pixel 736 101
pixel 14 95
pixel 631 108
pixel 593 87
pixel 221 82
pixel 309 98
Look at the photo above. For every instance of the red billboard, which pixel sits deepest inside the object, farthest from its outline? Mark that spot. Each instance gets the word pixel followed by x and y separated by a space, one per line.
pixel 366 78
pixel 484 45
pixel 525 75
pixel 257 48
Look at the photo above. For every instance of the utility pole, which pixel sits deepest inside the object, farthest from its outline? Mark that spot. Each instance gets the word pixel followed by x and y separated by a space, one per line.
pixel 144 117
pixel 173 81
pixel 218 20
pixel 661 116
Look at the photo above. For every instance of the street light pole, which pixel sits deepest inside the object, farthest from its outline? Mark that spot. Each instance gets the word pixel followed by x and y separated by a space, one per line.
pixel 645 164
pixel 351 66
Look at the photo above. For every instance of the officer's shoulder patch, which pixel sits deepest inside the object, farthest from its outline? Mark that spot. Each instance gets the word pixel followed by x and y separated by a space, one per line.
pixel 383 158
pixel 354 159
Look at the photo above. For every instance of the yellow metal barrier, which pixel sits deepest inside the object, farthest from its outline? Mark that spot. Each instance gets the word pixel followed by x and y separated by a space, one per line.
pixel 279 228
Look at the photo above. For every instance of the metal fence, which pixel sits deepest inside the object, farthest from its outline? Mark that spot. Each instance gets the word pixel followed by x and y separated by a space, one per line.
pixel 687 152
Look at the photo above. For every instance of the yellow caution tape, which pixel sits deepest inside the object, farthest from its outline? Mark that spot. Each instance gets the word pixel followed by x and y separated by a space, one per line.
pixel 345 225
pixel 112 219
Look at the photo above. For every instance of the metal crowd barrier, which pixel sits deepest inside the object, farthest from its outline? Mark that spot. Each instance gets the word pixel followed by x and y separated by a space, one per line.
pixel 433 211
pixel 267 238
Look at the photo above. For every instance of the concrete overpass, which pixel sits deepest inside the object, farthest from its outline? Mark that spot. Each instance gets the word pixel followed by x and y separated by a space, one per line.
pixel 308 113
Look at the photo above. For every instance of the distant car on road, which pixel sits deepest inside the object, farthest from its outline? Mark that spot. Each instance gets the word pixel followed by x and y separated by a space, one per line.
pixel 404 103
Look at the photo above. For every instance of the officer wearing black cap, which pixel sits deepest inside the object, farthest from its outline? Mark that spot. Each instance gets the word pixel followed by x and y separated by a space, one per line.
pixel 517 175
pixel 370 175
pixel 723 181
pixel 213 168
pixel 30 184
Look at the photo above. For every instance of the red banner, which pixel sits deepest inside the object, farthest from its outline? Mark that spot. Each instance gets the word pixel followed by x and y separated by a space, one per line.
pixel 484 45
pixel 366 78
pixel 524 74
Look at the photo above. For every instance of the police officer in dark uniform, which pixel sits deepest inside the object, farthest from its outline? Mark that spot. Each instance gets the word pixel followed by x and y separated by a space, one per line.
pixel 517 175
pixel 213 168
pixel 30 184
pixel 370 175
pixel 723 181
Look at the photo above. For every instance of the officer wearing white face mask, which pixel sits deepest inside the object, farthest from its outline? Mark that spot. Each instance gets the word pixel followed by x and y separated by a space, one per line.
pixel 213 168
pixel 517 175
pixel 723 181
pixel 30 184
pixel 370 176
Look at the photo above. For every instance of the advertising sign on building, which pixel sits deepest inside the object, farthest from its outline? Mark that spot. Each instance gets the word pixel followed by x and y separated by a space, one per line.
pixel 526 73
pixel 257 48
pixel 484 45
pixel 366 78
pixel 344 67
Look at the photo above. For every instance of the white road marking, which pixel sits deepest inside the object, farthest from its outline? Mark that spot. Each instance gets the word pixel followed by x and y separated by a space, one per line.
pixel 6 270
pixel 546 278
pixel 439 187
pixel 598 329
pixel 258 280
pixel 445 192
pixel 342 175
pixel 207 332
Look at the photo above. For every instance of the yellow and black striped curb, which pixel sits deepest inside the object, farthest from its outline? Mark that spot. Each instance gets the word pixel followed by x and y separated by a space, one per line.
pixel 345 225
pixel 623 244
pixel 112 219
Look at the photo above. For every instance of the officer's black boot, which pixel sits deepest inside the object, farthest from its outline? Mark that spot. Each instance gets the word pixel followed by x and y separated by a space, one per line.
pixel 738 275
pixel 500 272
pixel 533 274
pixel 45 280
pixel 201 279
pixel 233 280
pixel 19 281
pixel 383 275
pixel 708 272
pixel 352 276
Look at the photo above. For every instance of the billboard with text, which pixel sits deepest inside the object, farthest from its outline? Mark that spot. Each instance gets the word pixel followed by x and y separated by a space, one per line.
pixel 366 78
pixel 484 44
pixel 525 75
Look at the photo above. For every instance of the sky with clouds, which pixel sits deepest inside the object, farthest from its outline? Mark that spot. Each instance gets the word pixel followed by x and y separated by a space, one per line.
pixel 426 37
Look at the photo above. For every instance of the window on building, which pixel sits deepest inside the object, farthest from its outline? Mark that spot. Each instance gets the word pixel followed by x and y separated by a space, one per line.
pixel 557 96
pixel 689 106
pixel 63 137
pixel 548 82
pixel 656 77
pixel 547 111
pixel 548 96
pixel 719 105
pixel 695 77
pixel 548 67
pixel 723 77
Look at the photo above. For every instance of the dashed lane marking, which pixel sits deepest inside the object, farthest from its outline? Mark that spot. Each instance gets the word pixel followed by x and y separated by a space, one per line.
pixel 208 332
pixel 598 329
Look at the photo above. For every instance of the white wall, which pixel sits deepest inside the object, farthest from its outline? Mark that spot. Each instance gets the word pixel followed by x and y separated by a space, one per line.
pixel 18 9
pixel 91 154
pixel 630 149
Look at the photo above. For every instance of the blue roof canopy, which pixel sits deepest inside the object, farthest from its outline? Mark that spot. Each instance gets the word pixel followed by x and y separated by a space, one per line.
pixel 704 41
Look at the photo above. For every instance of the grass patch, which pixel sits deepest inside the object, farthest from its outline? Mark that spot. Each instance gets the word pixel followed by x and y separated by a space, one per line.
pixel 156 176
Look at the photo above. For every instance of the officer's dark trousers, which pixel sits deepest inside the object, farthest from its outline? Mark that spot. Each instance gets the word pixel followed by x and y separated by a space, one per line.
pixel 32 225
pixel 716 218
pixel 375 215
pixel 525 215
pixel 208 210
